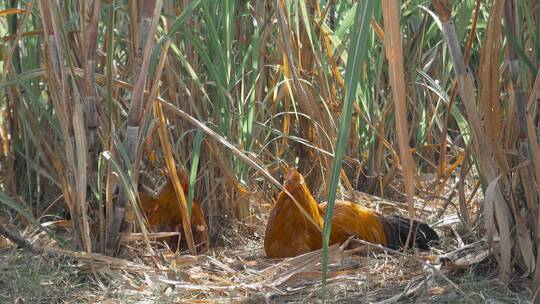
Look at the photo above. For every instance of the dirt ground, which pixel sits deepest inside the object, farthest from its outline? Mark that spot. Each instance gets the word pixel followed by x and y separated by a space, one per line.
pixel 236 271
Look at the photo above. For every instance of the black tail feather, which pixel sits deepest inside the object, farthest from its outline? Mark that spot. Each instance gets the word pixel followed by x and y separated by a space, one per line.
pixel 397 227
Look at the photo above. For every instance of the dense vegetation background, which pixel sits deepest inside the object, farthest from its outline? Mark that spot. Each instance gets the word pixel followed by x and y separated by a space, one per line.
pixel 384 97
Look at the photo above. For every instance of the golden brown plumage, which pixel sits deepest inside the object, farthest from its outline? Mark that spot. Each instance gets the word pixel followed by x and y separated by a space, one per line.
pixel 164 214
pixel 291 232
pixel 352 219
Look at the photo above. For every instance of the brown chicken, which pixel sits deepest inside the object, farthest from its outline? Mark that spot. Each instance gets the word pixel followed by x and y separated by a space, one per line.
pixel 291 232
pixel 164 214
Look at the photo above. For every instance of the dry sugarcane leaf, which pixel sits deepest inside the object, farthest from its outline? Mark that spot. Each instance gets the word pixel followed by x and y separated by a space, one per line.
pixel 497 209
pixel 470 259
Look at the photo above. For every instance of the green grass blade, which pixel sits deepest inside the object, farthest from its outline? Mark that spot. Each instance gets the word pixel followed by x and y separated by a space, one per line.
pixel 194 164
pixel 357 51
